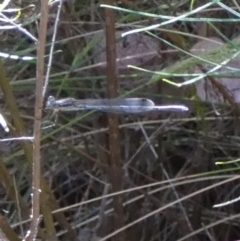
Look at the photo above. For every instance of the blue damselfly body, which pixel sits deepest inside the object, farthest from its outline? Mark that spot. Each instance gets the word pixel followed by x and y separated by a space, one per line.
pixel 118 105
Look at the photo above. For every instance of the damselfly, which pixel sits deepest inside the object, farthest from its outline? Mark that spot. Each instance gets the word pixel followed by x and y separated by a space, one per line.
pixel 121 105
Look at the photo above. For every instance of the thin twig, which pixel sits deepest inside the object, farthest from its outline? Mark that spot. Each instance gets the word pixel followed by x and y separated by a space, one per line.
pixel 52 48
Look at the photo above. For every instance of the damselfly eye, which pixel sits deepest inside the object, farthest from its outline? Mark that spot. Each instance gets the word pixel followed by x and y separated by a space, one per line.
pixel 51 102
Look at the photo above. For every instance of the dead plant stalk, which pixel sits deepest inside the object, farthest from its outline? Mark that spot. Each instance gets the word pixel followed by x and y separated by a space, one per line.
pixel 115 167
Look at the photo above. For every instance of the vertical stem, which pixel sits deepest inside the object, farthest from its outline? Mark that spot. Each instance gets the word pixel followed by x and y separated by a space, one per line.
pixel 36 175
pixel 115 167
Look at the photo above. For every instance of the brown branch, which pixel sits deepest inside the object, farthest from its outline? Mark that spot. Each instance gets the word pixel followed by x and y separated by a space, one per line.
pixel 36 175
pixel 115 168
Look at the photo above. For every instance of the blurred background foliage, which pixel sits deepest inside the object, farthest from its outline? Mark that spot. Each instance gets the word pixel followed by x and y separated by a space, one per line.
pixel 177 152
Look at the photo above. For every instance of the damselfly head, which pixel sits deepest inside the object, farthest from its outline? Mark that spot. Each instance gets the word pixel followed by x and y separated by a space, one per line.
pixel 67 104
pixel 51 103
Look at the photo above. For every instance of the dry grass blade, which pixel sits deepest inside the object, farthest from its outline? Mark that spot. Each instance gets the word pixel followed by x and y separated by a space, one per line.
pixel 222 90
pixel 8 183
pixel 6 232
pixel 11 103
pixel 19 131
